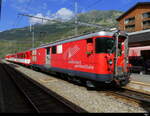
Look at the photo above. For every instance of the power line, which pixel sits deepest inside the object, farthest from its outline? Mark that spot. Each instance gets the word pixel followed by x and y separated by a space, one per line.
pixel 20 17
pixel 93 4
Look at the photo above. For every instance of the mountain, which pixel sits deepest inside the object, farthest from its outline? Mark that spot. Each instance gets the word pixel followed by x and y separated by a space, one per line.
pixel 20 39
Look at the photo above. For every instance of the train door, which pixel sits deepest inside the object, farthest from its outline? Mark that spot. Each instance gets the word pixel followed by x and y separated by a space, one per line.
pixel 34 57
pixel 121 53
pixel 48 57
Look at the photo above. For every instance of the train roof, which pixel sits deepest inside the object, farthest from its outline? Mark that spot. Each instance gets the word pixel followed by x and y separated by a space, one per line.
pixel 101 33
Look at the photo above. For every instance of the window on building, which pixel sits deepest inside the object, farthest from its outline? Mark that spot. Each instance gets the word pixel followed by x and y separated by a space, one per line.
pixel 146 24
pixel 130 28
pixel 130 20
pixel 54 50
pixel 146 15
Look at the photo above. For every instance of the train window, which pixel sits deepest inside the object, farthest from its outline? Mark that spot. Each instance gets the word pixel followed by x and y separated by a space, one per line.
pixel 89 45
pixel 47 51
pixel 59 49
pixel 34 52
pixel 54 50
pixel 104 45
pixel 90 40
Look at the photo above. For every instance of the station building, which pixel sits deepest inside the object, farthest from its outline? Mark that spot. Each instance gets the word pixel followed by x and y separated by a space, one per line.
pixel 136 21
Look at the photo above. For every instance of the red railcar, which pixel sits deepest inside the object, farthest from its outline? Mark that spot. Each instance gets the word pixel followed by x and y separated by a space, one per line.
pixel 21 58
pixel 96 57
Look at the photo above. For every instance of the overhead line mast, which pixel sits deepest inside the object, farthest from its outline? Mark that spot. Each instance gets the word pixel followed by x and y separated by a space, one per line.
pixel 76 18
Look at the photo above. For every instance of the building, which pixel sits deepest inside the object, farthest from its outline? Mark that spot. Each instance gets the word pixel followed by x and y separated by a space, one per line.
pixel 137 18
pixel 136 21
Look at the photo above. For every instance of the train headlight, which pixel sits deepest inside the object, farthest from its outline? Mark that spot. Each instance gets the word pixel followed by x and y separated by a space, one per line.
pixel 110 62
pixel 127 61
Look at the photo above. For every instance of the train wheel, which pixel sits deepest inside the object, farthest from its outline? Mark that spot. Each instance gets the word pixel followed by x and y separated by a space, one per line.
pixel 90 84
pixel 62 75
pixel 76 80
pixel 124 82
pixel 69 78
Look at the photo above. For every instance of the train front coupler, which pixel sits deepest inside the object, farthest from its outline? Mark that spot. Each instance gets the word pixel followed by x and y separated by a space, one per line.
pixel 122 80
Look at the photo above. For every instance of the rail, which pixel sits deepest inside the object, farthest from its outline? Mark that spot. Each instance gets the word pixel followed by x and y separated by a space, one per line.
pixel 42 99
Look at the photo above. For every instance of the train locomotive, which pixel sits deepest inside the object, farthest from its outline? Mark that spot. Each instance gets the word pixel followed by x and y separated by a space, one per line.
pixel 100 57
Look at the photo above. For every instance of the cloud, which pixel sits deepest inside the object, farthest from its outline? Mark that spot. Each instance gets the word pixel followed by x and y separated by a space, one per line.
pixel 39 21
pixel 64 14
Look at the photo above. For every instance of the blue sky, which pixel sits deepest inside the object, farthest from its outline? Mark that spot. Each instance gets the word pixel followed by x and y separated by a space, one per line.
pixel 51 9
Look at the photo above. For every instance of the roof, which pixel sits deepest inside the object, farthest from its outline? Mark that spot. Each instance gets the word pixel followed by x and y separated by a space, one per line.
pixel 139 36
pixel 101 33
pixel 132 8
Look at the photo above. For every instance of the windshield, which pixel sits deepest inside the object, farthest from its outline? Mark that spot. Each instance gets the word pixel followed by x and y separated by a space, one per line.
pixel 104 45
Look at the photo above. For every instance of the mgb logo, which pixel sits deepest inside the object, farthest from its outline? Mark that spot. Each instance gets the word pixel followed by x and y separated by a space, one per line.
pixel 71 51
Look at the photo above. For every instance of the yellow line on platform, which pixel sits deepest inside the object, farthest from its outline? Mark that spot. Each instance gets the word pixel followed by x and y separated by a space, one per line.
pixel 52 80
pixel 140 83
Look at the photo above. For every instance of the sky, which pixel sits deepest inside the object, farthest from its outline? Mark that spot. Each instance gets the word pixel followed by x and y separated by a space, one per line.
pixel 53 9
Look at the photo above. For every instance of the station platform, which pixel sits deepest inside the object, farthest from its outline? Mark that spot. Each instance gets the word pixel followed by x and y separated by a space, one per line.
pixel 139 83
pixel 140 78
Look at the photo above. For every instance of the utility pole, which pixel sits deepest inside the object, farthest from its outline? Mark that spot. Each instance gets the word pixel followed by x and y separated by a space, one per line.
pixel 32 31
pixel 76 18
pixel 33 38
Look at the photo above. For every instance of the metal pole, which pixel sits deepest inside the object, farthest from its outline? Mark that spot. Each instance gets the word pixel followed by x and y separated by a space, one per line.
pixel 33 37
pixel 76 18
pixel 116 55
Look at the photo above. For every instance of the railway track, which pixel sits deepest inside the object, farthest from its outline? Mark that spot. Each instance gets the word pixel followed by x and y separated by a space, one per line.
pixel 130 96
pixel 11 99
pixel 39 98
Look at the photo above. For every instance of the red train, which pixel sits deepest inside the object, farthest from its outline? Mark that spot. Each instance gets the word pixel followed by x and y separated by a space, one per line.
pixel 93 58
